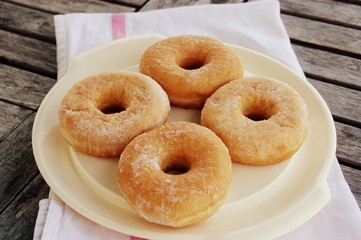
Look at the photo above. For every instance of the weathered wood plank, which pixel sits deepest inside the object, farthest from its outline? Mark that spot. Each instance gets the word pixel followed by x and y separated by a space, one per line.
pixel 324 35
pixel 17 162
pixel 27 21
pixel 325 10
pixel 161 4
pixel 22 87
pixel 349 110
pixel 11 116
pixel 69 6
pixel 28 53
pixel 353 179
pixel 17 221
pixel 348 144
pixel 328 66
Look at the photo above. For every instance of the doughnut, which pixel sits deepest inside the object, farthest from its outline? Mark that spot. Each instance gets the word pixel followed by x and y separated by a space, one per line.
pixel 175 175
pixel 190 68
pixel 102 113
pixel 261 121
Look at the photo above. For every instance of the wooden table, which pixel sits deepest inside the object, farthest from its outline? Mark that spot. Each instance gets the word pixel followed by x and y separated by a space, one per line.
pixel 326 36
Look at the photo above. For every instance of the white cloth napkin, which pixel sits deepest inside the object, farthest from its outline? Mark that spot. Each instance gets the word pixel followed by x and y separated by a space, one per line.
pixel 256 25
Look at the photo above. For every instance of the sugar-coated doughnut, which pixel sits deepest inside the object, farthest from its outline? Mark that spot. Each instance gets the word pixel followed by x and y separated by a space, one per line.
pixel 190 68
pixel 175 175
pixel 101 114
pixel 261 121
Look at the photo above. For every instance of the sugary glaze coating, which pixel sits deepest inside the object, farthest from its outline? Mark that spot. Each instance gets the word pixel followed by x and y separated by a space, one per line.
pixel 199 157
pixel 101 114
pixel 190 68
pixel 261 121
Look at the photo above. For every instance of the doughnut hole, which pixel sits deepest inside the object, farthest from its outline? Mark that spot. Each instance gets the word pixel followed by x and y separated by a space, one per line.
pixel 192 63
pixel 111 108
pixel 175 166
pixel 111 105
pixel 259 109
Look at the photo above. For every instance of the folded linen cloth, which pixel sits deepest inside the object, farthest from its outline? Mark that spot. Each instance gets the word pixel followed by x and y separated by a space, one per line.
pixel 256 25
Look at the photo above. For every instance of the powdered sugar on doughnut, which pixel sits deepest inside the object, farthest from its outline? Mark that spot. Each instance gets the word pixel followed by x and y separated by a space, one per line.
pixel 175 199
pixel 190 68
pixel 261 121
pixel 86 128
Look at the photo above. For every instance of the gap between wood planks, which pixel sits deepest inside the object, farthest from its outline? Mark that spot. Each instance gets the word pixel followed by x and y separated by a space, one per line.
pixel 47 39
pixel 28 68
pixel 348 163
pixel 356 2
pixel 325 48
pixel 315 18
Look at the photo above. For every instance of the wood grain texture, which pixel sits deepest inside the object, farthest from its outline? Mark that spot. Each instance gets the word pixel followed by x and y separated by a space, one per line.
pixel 28 53
pixel 324 35
pixel 69 6
pixel 161 4
pixel 325 10
pixel 329 66
pixel 23 88
pixel 349 110
pixel 354 181
pixel 18 219
pixel 348 147
pixel 17 162
pixel 16 19
pixel 10 117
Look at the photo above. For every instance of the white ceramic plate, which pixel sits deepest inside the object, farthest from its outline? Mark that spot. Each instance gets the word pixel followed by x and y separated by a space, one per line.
pixel 263 203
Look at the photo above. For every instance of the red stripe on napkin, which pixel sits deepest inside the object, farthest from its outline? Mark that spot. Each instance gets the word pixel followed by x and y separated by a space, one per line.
pixel 118 25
